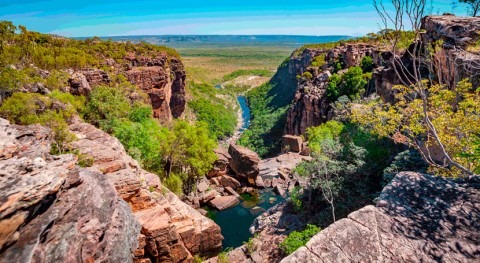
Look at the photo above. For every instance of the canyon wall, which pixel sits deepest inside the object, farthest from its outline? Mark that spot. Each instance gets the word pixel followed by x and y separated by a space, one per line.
pixel 52 210
pixel 457 58
pixel 161 76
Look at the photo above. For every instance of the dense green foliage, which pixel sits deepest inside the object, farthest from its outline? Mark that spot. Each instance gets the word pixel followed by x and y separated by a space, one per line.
pixel 53 110
pixel 17 44
pixel 248 72
pixel 346 171
pixel 297 239
pixel 266 127
pixel 221 122
pixel 408 160
pixel 179 155
pixel 367 64
pixel 213 107
pixel 352 84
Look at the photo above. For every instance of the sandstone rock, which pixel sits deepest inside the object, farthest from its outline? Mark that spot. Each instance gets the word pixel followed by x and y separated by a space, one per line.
pixel 49 204
pixel 230 191
pixel 257 210
pixel 228 181
pixel 244 163
pixel 280 191
pixel 78 84
pixel 202 187
pixel 259 182
pixel 423 219
pixel 291 143
pixel 220 166
pixel 268 183
pixel 224 202
pixel 96 77
pixel 283 175
pixel 184 231
pixel 203 212
pixel 165 84
pixel 208 196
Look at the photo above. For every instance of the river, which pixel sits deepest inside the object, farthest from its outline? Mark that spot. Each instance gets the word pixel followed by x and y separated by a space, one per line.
pixel 235 222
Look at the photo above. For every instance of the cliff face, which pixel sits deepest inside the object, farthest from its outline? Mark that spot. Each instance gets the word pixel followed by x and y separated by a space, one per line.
pixel 161 76
pixel 55 211
pixel 418 218
pixel 310 106
pixel 457 58
pixel 163 79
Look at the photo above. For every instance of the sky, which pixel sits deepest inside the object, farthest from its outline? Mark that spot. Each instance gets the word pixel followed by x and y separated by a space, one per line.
pixel 86 18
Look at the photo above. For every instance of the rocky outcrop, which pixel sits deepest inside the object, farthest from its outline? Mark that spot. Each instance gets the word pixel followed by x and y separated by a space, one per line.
pixel 172 231
pixel 291 143
pixel 310 105
pixel 418 218
pixel 244 163
pixel 456 59
pixel 163 79
pixel 53 211
pixel 161 76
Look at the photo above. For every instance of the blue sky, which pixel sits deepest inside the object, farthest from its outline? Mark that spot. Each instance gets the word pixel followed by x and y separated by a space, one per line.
pixel 244 17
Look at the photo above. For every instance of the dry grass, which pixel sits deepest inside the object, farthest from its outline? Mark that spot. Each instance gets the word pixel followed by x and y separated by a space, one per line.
pixel 211 64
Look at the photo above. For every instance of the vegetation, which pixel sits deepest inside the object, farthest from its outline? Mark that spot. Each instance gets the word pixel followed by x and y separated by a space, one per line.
pixel 266 126
pixel 248 72
pixel 346 170
pixel 17 44
pixel 352 84
pixel 452 112
pixel 296 239
pixel 221 120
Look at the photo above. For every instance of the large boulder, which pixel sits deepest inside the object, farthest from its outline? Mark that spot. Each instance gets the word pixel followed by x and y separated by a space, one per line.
pixel 79 84
pixel 292 143
pixel 224 202
pixel 244 163
pixel 418 218
pixel 220 167
pixel 54 212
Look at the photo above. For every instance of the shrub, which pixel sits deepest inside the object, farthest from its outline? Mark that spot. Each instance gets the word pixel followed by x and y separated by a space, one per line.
pixel 295 240
pixel 329 130
pixel 174 183
pixel 367 64
pixel 106 104
pixel 307 75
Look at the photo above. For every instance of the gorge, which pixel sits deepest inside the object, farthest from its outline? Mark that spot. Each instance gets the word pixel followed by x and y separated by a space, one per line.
pixel 118 151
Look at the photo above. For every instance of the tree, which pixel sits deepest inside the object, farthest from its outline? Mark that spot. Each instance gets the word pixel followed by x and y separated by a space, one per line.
pixel 419 77
pixel 188 151
pixel 473 6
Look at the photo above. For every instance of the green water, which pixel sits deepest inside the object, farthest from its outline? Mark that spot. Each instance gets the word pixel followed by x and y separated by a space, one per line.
pixel 236 221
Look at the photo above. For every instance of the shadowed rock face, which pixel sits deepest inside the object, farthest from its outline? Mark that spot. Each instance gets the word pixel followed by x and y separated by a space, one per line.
pixel 54 211
pixel 51 211
pixel 418 218
pixel 163 79
pixel 244 163
pixel 310 105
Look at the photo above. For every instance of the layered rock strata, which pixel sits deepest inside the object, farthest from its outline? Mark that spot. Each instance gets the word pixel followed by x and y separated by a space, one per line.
pixel 418 218
pixel 55 211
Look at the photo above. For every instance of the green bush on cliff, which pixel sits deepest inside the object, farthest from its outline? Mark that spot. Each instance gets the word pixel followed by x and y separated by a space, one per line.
pixel 297 239
pixel 352 84
pixel 53 111
pixel 366 64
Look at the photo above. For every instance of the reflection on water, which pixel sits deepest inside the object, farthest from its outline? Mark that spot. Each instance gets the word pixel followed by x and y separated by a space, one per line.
pixel 245 112
pixel 236 221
